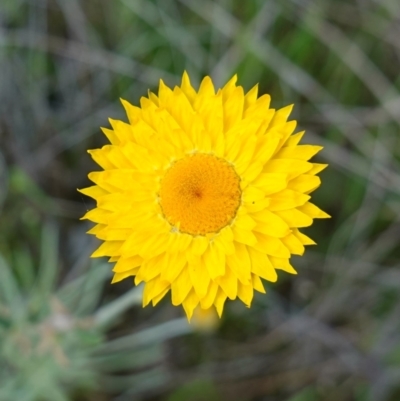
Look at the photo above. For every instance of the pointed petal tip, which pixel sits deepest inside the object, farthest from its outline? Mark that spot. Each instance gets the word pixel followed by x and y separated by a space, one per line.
pixel 145 301
pixel 219 312
pixel 97 254
pixel 189 314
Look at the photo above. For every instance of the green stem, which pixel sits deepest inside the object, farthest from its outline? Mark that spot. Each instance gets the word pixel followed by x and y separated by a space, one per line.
pixel 150 336
pixel 113 310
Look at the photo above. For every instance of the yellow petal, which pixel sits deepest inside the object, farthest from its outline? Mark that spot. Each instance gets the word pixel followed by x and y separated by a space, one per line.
pixel 259 108
pixel 287 199
pixel 115 202
pixel 120 276
pixel 181 287
pixel 305 183
pixel 257 206
pixel 207 301
pixel 94 191
pixel 214 260
pixel 115 234
pixel 286 130
pixel 164 95
pixel 182 111
pixel 209 109
pixel 270 223
pixel 261 265
pixel 283 264
pixel 245 158
pixel 125 264
pixel 228 282
pixel 253 171
pixel 112 180
pixel 199 245
pixel 111 136
pixel 250 97
pixel 271 246
pixel 153 98
pixel 244 221
pixel 225 240
pixel 206 88
pixel 187 87
pixel 154 245
pixel 179 242
pixel 117 158
pixel 96 229
pixel 154 288
pixel 317 168
pixel 293 244
pixel 245 293
pixel 133 218
pixel 159 297
pixel 253 194
pixel 257 284
pixel 109 248
pixel 133 112
pixel 266 147
pixel 100 156
pixel 220 301
pixel 233 108
pixel 229 87
pixel 176 262
pixel 243 131
pixel 301 152
pixel 122 130
pixel 97 216
pixel 190 303
pixel 151 268
pixel 293 140
pixel 295 218
pixel 239 263
pixel 293 168
pixel 302 237
pixel 145 243
pixel 198 274
pixel 271 183
pixel 138 157
pixel 313 211
pixel 281 115
pixel 243 236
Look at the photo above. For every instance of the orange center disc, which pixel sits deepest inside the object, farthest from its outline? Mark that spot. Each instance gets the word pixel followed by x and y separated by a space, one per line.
pixel 200 194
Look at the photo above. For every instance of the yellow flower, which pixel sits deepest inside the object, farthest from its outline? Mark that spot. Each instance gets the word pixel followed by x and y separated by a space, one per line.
pixel 203 194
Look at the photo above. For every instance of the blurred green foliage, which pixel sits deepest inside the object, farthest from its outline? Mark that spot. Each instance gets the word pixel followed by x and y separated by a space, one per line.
pixel 331 333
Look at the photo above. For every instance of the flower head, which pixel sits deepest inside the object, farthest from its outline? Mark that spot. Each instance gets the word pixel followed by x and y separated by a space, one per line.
pixel 203 194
